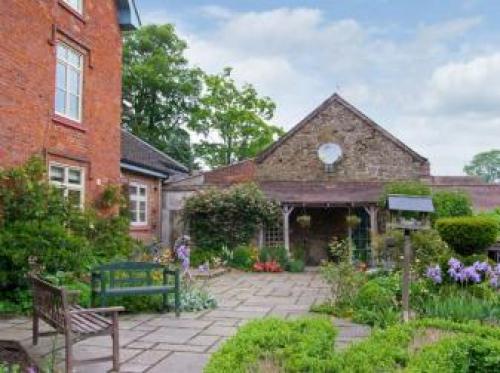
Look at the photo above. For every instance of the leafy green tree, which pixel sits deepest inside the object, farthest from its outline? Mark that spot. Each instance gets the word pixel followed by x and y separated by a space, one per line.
pixel 233 120
pixel 486 165
pixel 160 90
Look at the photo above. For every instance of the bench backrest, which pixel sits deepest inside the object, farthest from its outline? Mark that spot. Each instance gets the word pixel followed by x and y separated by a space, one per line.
pixel 50 303
pixel 126 274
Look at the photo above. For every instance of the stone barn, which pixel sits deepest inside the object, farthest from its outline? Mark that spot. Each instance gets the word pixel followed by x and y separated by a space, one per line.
pixel 332 164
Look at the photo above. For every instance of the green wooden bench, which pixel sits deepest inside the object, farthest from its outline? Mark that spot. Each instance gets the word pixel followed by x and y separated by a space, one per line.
pixel 134 278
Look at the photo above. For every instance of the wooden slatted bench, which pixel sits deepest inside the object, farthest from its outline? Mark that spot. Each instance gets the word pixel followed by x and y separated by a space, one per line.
pixel 56 306
pixel 134 278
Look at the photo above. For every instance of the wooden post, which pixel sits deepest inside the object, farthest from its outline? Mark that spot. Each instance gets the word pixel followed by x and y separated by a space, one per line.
pixel 406 277
pixel 373 213
pixel 261 237
pixel 287 210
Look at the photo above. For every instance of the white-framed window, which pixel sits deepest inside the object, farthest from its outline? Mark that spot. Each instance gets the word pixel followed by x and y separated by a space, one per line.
pixel 138 199
pixel 69 80
pixel 76 5
pixel 70 181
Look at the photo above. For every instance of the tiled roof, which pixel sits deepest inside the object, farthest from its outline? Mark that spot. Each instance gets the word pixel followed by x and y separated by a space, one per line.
pixel 322 192
pixel 139 153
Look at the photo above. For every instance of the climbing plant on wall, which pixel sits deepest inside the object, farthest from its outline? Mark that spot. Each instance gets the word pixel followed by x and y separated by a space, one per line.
pixel 228 217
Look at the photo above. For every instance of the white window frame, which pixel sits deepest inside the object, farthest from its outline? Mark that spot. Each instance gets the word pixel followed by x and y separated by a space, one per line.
pixel 78 8
pixel 138 199
pixel 69 66
pixel 65 185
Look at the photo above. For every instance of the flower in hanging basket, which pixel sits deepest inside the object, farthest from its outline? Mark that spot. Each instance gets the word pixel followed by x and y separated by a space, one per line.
pixel 352 221
pixel 304 220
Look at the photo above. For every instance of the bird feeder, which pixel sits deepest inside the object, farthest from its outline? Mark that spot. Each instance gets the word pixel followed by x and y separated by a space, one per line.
pixel 409 213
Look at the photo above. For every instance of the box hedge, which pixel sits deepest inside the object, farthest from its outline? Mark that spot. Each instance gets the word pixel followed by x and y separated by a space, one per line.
pixel 468 234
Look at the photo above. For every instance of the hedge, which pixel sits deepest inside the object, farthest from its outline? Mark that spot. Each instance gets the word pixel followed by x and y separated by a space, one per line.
pixel 468 235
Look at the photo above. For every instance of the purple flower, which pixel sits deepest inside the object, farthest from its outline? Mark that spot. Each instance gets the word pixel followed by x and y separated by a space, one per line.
pixel 455 264
pixel 471 274
pixel 482 267
pixel 434 273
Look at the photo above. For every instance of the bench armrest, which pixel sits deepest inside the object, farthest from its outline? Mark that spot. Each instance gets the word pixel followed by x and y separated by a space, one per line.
pixel 99 310
pixel 171 271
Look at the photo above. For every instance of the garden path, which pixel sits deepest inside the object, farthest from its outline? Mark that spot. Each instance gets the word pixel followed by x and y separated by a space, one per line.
pixel 162 343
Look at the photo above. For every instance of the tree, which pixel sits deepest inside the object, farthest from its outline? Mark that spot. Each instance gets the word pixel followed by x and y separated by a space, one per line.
pixel 233 121
pixel 160 90
pixel 486 165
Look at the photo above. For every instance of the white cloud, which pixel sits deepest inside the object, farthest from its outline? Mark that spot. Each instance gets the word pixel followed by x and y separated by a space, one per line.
pixel 471 87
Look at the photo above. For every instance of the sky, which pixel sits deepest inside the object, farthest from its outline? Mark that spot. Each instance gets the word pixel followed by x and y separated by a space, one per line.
pixel 427 71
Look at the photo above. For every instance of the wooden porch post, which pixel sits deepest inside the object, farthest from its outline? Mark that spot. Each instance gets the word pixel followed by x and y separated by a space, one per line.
pixel 287 210
pixel 373 212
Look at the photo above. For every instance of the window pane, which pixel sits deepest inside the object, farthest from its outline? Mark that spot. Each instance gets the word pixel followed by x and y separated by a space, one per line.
pixel 75 176
pixel 73 81
pixel 75 197
pixel 60 101
pixel 61 76
pixel 142 217
pixel 74 57
pixel 132 190
pixel 133 211
pixel 142 206
pixel 74 107
pixel 62 52
pixel 56 173
pixel 142 191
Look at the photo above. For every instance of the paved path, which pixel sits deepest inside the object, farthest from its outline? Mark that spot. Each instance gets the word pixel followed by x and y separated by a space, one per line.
pixel 157 343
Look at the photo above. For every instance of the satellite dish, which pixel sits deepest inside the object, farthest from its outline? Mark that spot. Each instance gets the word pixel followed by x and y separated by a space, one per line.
pixel 329 153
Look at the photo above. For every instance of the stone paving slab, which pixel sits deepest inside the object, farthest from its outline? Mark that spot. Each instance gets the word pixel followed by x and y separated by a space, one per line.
pixel 165 343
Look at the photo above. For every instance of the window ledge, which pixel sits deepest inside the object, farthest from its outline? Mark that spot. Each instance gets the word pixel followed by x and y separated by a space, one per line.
pixel 139 228
pixel 68 123
pixel 74 12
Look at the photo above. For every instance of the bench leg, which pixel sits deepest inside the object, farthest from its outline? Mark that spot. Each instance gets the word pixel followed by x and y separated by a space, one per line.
pixel 116 343
pixel 69 354
pixel 35 328
pixel 177 303
pixel 164 306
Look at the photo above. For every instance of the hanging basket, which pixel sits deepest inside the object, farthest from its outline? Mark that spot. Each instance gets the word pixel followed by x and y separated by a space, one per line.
pixel 304 220
pixel 352 221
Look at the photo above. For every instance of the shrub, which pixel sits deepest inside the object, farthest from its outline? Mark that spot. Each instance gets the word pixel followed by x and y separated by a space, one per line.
pixel 199 257
pixel 242 258
pixel 228 217
pixel 303 345
pixel 468 235
pixel 428 248
pixel 451 203
pixel 276 254
pixel 295 265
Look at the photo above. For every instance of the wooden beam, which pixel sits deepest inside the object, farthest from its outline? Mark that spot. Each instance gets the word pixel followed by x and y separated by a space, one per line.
pixel 287 210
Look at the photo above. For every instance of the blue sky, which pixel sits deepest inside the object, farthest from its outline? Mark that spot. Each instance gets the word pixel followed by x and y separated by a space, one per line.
pixel 428 71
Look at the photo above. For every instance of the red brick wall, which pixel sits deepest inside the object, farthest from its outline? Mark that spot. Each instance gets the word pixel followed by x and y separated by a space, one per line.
pixel 28 29
pixel 151 231
pixel 241 172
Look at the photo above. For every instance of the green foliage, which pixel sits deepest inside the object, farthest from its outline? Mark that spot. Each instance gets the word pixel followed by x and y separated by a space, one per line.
pixel 377 302
pixel 412 188
pixel 237 117
pixel 275 253
pixel 468 235
pixel 458 354
pixel 460 307
pixel 485 165
pixel 303 345
pixel 197 299
pixel 160 90
pixel 228 217
pixel 428 249
pixel 451 203
pixel 199 257
pixel 295 265
pixel 39 227
pixel 242 258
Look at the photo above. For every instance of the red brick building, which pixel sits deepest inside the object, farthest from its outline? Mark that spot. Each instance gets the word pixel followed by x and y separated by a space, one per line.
pixel 60 89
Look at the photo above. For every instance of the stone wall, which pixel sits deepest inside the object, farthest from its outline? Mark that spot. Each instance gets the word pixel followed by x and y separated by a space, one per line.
pixel 368 154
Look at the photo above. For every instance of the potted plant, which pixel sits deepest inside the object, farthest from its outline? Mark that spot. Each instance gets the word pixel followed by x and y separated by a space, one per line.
pixel 304 220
